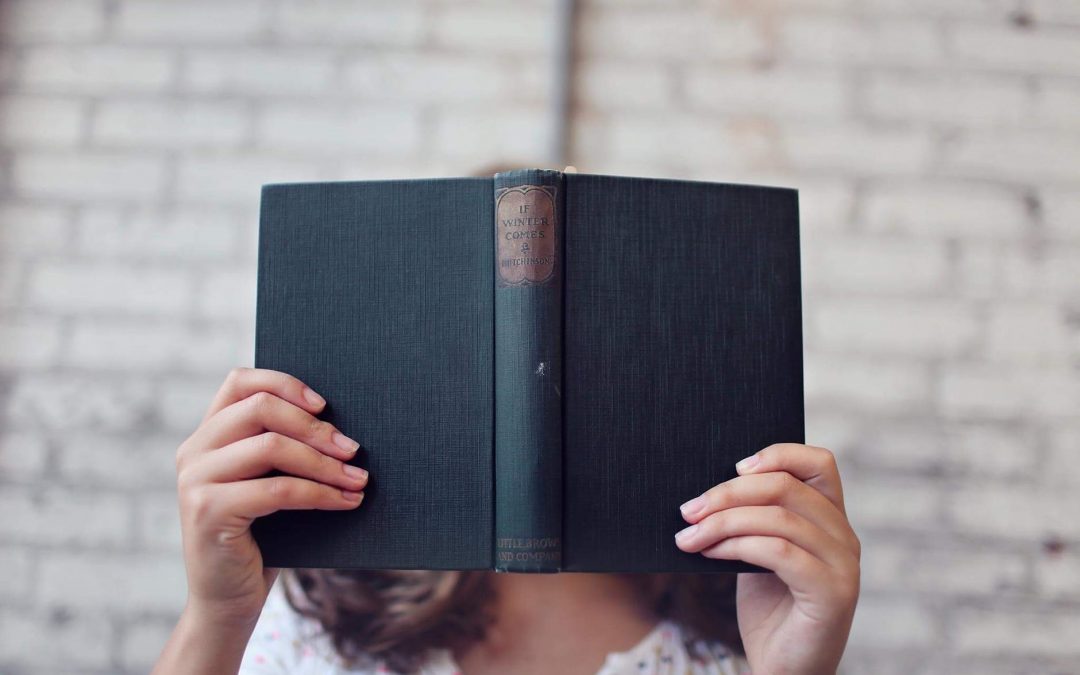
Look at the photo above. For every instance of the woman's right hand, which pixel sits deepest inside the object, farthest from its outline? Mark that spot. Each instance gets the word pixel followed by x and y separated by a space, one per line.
pixel 259 420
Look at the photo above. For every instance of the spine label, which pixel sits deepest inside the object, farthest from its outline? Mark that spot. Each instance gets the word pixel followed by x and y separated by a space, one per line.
pixel 526 234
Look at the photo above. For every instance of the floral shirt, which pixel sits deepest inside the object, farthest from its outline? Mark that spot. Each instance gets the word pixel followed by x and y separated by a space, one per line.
pixel 284 642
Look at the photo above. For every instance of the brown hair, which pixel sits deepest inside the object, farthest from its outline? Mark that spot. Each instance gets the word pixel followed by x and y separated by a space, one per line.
pixel 398 615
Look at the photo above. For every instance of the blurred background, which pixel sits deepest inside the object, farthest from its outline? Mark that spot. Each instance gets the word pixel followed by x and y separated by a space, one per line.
pixel 935 145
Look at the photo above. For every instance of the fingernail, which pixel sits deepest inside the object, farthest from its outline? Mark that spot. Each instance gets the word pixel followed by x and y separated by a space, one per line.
pixel 313 398
pixel 354 472
pixel 686 533
pixel 693 506
pixel 344 442
pixel 353 496
pixel 748 463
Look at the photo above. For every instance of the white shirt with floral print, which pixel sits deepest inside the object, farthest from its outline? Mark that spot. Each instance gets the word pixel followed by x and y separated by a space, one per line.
pixel 286 643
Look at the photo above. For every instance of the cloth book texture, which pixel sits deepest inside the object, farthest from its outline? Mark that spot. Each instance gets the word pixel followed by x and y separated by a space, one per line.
pixel 539 367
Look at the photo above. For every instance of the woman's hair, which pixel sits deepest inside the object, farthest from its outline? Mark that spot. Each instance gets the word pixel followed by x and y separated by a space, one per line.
pixel 399 615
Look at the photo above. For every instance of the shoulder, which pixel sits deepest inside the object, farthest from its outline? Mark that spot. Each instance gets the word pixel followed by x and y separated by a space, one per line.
pixel 284 641
pixel 687 652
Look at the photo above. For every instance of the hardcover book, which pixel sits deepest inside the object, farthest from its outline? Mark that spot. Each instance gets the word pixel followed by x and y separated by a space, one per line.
pixel 540 367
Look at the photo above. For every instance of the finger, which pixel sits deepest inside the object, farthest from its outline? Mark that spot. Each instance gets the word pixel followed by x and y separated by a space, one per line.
pixel 250 499
pixel 263 411
pixel 243 382
pixel 804 574
pixel 254 456
pixel 813 465
pixel 774 521
pixel 774 488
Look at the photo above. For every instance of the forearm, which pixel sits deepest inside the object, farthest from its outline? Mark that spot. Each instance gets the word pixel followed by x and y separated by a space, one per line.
pixel 201 645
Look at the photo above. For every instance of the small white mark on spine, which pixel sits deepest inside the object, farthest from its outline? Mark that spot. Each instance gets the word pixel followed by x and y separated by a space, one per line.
pixel 541 369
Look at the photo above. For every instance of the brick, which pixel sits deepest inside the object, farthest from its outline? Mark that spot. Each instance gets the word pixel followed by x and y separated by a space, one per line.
pixel 964 101
pixel 1005 271
pixel 961 9
pixel 500 28
pixel 381 131
pixel 825 206
pixel 945 210
pixel 1062 463
pixel 856 149
pixel 1029 157
pixel 996 450
pixel 616 86
pixel 341 21
pixel 488 136
pixel 118 461
pixel 922 328
pixel 893 503
pixel 238 179
pixel 875 266
pixel 32 230
pixel 99 581
pixel 1007 510
pixel 18 566
pixel 183 401
pixel 774 92
pixel 1007 48
pixel 658 34
pixel 79 403
pixel 1002 630
pixel 892 623
pixel 88 176
pixel 229 295
pixel 845 40
pixel 43 641
pixel 1052 11
pixel 41 121
pixel 173 233
pixel 1061 214
pixel 453 78
pixel 1057 577
pixel 689 142
pixel 998 392
pixel 942 570
pixel 142 643
pixel 159 522
pixel 57 20
pixel 23 456
pixel 896 447
pixel 192 21
pixel 96 287
pixel 156 346
pixel 864 384
pixel 259 71
pixel 93 68
pixel 1032 333
pixel 29 343
pixel 138 124
pixel 11 275
pixel 58 517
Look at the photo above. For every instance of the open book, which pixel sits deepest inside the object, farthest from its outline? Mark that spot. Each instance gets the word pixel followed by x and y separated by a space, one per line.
pixel 539 367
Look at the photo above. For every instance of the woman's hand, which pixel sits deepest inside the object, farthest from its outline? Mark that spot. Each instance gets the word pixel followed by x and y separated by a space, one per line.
pixel 259 420
pixel 785 512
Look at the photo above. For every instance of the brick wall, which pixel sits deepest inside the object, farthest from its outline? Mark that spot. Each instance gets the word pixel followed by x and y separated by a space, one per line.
pixel 935 145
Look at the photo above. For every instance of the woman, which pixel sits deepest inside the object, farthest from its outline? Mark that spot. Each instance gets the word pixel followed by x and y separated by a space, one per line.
pixel 784 511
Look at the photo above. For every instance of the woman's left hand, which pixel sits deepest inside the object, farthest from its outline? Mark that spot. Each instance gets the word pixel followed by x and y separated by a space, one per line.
pixel 785 513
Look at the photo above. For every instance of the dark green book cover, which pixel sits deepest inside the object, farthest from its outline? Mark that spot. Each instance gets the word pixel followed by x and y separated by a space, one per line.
pixel 539 367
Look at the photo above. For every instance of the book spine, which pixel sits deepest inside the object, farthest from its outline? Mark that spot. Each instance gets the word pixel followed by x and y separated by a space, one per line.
pixel 529 246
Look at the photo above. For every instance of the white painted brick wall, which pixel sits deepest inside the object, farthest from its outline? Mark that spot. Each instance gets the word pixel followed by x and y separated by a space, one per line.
pixel 935 146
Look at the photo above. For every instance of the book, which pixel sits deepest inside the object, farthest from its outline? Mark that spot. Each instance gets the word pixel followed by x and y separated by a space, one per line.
pixel 540 367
